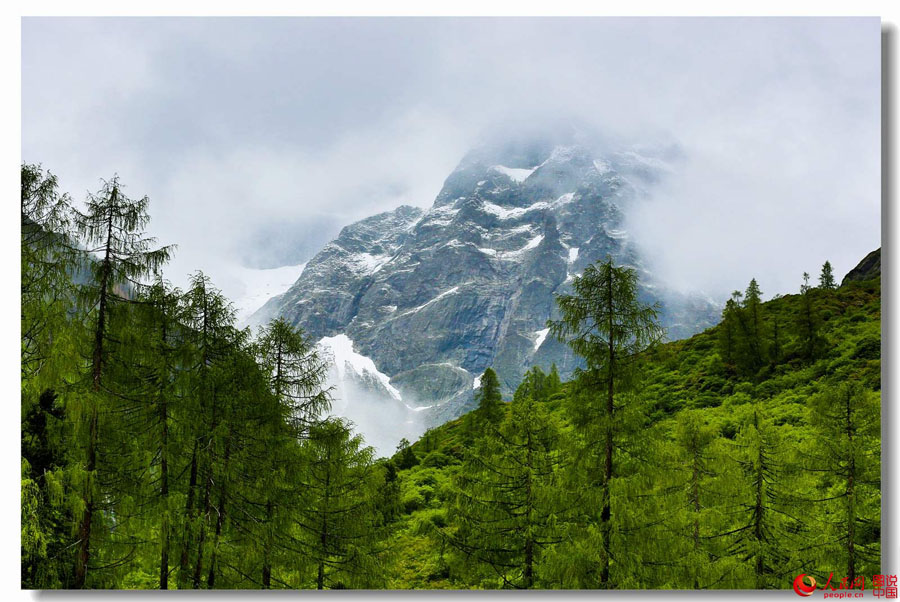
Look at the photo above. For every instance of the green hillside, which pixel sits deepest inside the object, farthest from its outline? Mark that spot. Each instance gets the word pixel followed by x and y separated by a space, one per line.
pixel 690 410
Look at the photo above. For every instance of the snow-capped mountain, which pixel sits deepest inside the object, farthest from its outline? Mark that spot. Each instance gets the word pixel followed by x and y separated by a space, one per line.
pixel 429 299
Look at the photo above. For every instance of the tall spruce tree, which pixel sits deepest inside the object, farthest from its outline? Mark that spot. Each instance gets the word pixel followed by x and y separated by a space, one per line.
pixel 605 323
pixel 297 373
pixel 488 398
pixel 48 265
pixel 533 385
pixel 120 256
pixel 758 536
pixel 49 359
pixel 729 332
pixel 752 336
pixel 214 341
pixel 808 323
pixel 846 461
pixel 826 277
pixel 509 501
pixel 337 521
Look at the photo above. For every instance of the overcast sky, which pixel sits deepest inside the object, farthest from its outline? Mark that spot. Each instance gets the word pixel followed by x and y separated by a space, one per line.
pixel 257 139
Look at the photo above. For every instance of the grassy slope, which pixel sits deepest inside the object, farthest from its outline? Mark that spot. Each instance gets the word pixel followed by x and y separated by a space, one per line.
pixel 685 374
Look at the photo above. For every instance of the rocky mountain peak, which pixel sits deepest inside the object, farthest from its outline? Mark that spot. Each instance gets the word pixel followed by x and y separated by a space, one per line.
pixel 434 297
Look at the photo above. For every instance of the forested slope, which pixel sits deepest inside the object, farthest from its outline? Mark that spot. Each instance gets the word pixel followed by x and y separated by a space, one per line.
pixel 729 475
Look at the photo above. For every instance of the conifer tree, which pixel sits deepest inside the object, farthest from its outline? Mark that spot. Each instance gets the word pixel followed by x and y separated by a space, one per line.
pixel 533 385
pixel 554 383
pixel 670 513
pixel 337 520
pixel 729 333
pixel 808 323
pixel 756 546
pixel 508 498
pixel 693 439
pixel 775 348
pixel 48 265
pixel 752 335
pixel 826 277
pixel 149 372
pixel 297 373
pixel 488 398
pixel 606 324
pixel 845 460
pixel 49 358
pixel 214 341
pixel 112 226
pixel 406 457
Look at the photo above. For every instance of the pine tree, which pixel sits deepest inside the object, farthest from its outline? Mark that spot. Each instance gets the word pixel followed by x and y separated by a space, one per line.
pixel 490 408
pixel 729 333
pixel 406 457
pixel 211 332
pixel 826 278
pixel 757 541
pixel 808 323
pixel 297 373
pixel 554 383
pixel 48 265
pixel 606 324
pixel 845 459
pixel 752 336
pixel 49 359
pixel 112 226
pixel 337 520
pixel 508 498
pixel 533 385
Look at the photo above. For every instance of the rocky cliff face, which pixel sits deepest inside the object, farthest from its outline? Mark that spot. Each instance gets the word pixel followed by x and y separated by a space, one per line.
pixel 434 297
pixel 867 269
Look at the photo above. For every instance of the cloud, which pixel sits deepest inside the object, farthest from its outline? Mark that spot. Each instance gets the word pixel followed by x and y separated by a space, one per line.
pixel 242 130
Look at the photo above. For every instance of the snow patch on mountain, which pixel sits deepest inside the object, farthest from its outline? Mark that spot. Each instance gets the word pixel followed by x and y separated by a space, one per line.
pixel 564 199
pixel 515 174
pixel 451 291
pixel 340 349
pixel 504 213
pixel 368 263
pixel 517 212
pixel 440 215
pixel 540 335
pixel 513 255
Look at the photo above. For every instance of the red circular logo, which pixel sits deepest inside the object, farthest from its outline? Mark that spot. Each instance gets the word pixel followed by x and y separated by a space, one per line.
pixel 802 588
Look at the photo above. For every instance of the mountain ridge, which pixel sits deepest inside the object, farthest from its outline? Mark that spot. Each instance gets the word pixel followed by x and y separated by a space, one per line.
pixel 471 281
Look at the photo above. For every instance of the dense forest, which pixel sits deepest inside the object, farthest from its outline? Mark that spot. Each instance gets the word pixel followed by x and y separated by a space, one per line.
pixel 163 447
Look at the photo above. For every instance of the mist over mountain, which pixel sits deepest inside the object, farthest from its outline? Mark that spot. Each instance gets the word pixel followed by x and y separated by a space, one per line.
pixel 429 298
